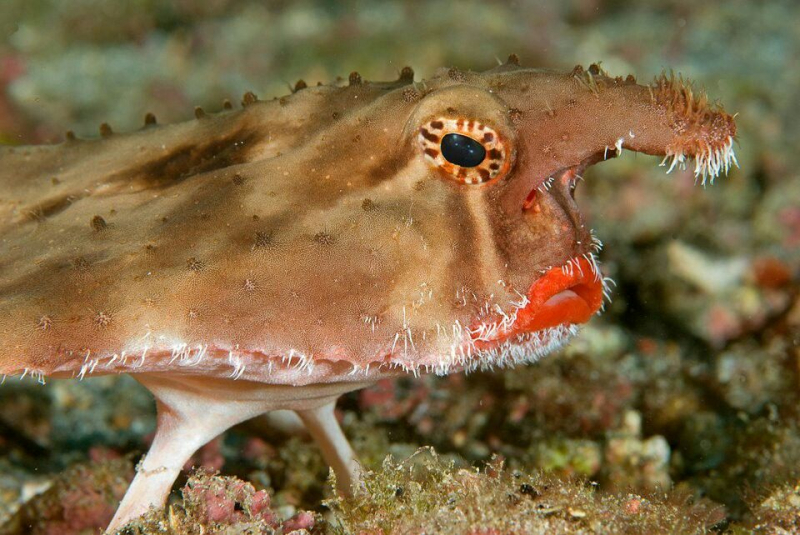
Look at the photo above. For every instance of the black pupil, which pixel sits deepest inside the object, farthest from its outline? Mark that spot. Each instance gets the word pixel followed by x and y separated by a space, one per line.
pixel 462 150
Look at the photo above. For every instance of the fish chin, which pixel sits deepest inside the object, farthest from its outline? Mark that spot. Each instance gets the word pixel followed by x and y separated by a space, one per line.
pixel 521 349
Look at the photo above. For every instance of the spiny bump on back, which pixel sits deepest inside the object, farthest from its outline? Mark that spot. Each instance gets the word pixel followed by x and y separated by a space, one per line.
pixel 406 75
pixel 596 70
pixel 249 98
pixel 355 79
pixel 513 59
pixel 591 79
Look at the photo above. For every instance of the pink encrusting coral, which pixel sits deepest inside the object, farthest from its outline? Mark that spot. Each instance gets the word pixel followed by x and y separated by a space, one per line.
pixel 211 501
pixel 277 256
pixel 78 501
pixel 85 497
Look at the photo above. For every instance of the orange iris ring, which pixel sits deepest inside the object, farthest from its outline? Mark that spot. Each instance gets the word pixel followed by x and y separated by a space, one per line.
pixel 494 166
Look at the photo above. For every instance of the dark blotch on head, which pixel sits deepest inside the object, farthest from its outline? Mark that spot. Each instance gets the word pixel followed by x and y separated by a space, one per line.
pixel 368 205
pixel 105 130
pixel 51 207
pixel 193 159
pixel 150 119
pixel 387 167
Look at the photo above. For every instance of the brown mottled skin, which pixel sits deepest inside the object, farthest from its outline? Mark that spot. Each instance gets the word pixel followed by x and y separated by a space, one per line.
pixel 251 229
pixel 308 226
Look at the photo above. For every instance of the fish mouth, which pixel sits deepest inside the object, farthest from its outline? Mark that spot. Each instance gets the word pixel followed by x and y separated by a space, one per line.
pixel 566 295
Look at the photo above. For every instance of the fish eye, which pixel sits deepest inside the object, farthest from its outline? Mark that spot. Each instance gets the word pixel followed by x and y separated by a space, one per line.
pixel 462 150
pixel 465 150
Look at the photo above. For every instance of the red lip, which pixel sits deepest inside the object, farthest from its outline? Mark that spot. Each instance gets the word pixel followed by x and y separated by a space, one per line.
pixel 564 295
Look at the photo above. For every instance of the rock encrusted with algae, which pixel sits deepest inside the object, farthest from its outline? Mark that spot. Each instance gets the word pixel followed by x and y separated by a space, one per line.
pixel 779 512
pixel 224 505
pixel 77 502
pixel 82 500
pixel 424 494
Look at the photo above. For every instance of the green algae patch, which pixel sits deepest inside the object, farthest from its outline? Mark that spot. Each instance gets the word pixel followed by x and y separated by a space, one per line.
pixel 425 494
